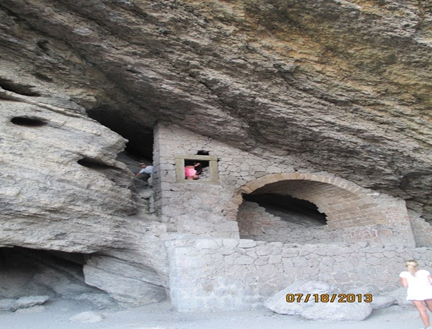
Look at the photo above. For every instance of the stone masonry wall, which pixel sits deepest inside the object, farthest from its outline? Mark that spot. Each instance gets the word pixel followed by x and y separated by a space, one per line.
pixel 422 230
pixel 194 206
pixel 230 274
pixel 209 209
pixel 211 268
pixel 349 209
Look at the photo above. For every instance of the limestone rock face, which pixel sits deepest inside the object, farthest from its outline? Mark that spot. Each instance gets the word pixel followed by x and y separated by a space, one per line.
pixel 343 85
pixel 130 284
pixel 61 186
pixel 338 312
pixel 23 302
pixel 286 301
pixel 316 300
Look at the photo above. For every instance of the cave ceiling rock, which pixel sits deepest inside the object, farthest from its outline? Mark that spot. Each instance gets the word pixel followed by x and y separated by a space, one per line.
pixel 343 85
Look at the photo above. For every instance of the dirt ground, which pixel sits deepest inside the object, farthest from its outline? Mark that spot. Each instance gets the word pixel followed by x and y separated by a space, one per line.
pixel 57 315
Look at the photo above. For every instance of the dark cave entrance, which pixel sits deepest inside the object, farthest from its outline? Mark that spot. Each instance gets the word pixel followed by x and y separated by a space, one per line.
pixel 274 217
pixel 286 204
pixel 59 275
pixel 140 138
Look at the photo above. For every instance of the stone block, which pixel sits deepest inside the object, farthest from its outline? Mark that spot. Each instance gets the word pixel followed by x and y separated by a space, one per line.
pixel 229 260
pixel 338 311
pixel 244 260
pixel 275 259
pixel 278 303
pixel 226 251
pixel 264 250
pixel 206 244
pixel 251 253
pixel 244 243
pixel 261 261
pixel 381 302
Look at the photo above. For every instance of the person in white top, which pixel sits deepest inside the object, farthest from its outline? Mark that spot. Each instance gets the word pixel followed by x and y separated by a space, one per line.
pixel 419 289
pixel 146 169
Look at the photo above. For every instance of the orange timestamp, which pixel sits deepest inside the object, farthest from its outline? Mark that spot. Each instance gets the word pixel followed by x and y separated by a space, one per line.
pixel 329 298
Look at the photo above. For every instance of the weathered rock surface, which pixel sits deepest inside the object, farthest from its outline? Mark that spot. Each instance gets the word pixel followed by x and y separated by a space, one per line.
pixel 278 303
pixel 7 304
pixel 321 305
pixel 343 85
pixel 338 311
pixel 30 301
pixel 380 302
pixel 59 167
pixel 132 284
pixel 22 303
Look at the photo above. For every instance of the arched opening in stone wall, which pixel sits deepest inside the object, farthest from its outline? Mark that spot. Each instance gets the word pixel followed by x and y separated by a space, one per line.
pixel 336 205
pixel 274 217
pixel 58 275
pixel 286 204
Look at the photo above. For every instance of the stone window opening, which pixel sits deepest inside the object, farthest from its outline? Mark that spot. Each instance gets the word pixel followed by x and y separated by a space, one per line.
pixel 28 121
pixel 205 165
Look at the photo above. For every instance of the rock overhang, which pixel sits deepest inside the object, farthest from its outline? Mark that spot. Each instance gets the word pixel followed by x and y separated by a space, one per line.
pixel 340 85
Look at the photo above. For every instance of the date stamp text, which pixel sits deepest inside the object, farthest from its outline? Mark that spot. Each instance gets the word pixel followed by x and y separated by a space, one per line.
pixel 329 298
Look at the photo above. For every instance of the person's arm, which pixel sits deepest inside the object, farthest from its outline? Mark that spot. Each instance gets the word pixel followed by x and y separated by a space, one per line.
pixel 404 282
pixel 139 173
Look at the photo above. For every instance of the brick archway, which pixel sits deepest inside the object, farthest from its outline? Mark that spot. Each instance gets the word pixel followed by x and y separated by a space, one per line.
pixel 345 204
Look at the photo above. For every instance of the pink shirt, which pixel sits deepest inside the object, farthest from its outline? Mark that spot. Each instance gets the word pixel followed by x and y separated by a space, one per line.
pixel 190 171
